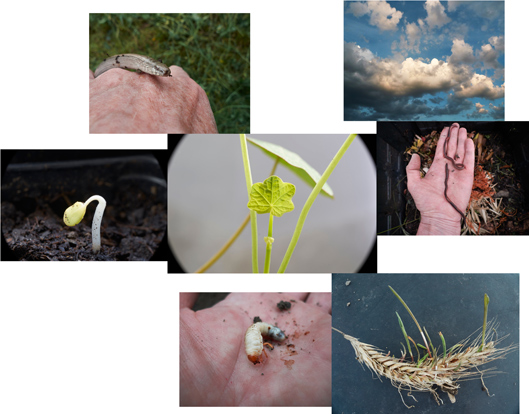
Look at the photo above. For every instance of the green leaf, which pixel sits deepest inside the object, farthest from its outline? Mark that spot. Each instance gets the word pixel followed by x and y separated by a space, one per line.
pixel 272 196
pixel 294 163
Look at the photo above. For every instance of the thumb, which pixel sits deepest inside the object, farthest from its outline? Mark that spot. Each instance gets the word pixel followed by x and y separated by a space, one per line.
pixel 413 169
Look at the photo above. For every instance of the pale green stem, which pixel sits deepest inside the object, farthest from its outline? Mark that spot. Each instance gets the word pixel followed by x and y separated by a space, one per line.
pixel 232 239
pixel 269 240
pixel 253 214
pixel 486 301
pixel 413 317
pixel 405 334
pixel 444 346
pixel 312 197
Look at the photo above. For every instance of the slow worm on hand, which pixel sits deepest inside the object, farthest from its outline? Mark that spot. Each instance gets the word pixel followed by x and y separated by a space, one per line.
pixel 456 166
pixel 139 63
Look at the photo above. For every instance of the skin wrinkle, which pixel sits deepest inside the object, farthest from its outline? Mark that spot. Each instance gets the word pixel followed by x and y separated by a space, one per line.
pixel 187 333
pixel 234 378
pixel 155 104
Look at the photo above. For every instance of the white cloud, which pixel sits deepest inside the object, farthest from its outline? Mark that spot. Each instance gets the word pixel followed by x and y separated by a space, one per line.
pixel 489 56
pixel 481 109
pixel 416 77
pixel 490 53
pixel 461 53
pixel 382 15
pixel 413 34
pixel 436 14
pixel 498 43
pixel 480 86
pixel 358 8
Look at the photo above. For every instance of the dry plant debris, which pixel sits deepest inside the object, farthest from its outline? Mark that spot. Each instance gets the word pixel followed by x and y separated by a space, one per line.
pixel 436 369
pixel 485 212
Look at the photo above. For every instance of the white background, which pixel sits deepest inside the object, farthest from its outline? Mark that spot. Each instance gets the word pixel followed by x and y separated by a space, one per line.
pixel 103 337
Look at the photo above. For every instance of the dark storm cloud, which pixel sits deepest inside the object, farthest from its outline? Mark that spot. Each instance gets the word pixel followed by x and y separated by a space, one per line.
pixel 376 88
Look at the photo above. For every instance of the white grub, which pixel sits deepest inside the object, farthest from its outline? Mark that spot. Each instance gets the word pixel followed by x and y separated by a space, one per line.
pixel 253 340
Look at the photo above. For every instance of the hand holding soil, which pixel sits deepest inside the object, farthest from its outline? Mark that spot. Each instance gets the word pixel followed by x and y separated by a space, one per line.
pixel 438 215
pixel 127 102
pixel 214 367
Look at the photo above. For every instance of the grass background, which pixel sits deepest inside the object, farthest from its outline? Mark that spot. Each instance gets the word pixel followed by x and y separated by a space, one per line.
pixel 214 49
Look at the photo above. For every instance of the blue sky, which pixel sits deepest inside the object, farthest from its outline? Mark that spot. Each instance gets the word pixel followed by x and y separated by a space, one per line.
pixel 416 60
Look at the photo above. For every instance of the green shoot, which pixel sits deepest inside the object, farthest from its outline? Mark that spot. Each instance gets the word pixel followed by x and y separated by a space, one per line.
pixel 269 240
pixel 444 346
pixel 486 301
pixel 453 348
pixel 312 197
pixel 413 317
pixel 253 214
pixel 405 335
pixel 422 360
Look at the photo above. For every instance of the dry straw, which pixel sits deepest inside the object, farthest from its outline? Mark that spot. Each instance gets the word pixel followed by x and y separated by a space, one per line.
pixel 436 369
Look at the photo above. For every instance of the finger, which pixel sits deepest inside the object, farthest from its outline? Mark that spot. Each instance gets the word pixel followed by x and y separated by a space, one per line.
pixel 461 140
pixel 187 300
pixel 470 154
pixel 439 151
pixel 323 301
pixel 451 149
pixel 177 71
pixel 413 169
pixel 91 74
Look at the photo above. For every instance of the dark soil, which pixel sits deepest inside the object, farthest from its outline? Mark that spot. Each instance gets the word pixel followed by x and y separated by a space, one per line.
pixel 132 229
pixel 38 186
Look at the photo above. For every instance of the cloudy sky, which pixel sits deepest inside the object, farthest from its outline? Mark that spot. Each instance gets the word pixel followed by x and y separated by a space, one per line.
pixel 417 60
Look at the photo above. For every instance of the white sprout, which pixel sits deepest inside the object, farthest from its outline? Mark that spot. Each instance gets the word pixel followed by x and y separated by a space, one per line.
pixel 75 213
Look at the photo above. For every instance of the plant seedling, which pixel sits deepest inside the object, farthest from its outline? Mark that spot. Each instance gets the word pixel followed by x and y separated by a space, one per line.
pixel 318 187
pixel 432 373
pixel 75 213
pixel 293 162
pixel 275 197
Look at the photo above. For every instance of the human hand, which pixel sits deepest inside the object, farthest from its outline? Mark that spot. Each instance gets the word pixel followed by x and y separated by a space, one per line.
pixel 214 368
pixel 128 102
pixel 438 216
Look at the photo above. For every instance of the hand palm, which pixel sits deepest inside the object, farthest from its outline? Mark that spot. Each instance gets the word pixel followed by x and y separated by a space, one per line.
pixel 215 371
pixel 429 192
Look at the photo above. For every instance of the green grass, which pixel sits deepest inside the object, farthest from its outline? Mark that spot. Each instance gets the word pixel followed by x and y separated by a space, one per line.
pixel 214 49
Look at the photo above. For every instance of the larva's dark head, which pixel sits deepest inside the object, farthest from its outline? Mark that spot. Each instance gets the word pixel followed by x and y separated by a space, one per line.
pixel 276 334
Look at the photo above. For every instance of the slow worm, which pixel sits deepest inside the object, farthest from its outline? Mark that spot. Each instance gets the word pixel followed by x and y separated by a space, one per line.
pixel 457 166
pixel 142 64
